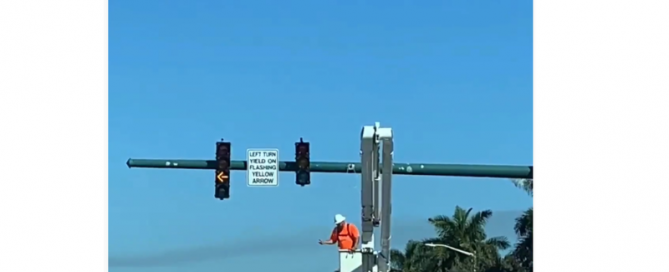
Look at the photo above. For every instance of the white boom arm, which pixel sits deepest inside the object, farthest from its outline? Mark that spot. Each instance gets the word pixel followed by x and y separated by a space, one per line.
pixel 375 198
pixel 386 137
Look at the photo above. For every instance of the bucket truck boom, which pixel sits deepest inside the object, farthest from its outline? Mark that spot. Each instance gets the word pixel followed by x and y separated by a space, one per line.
pixel 376 202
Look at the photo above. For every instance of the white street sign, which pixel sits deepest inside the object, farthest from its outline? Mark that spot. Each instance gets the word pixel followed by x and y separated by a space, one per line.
pixel 263 167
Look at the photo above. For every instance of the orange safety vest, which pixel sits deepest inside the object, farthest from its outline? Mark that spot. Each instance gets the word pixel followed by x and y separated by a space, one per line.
pixel 344 238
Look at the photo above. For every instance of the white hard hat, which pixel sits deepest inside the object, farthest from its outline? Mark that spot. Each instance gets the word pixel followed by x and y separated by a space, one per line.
pixel 339 218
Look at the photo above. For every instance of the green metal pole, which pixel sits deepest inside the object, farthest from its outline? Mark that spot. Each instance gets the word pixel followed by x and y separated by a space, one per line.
pixel 419 169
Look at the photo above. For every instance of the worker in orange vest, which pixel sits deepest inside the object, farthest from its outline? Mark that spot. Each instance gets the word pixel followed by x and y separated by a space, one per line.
pixel 346 235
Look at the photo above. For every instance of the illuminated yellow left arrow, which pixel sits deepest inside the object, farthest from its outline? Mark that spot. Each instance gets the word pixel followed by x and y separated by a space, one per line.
pixel 221 177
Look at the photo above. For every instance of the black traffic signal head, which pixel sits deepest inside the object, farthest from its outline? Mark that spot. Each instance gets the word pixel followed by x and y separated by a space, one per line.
pixel 302 160
pixel 222 178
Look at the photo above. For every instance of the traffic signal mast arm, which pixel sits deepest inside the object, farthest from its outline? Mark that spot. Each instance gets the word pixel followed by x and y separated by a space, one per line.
pixel 376 168
pixel 418 169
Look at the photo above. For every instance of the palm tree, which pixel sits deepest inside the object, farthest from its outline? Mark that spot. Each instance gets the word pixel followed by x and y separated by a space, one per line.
pixel 526 185
pixel 401 261
pixel 522 252
pixel 415 258
pixel 506 264
pixel 466 231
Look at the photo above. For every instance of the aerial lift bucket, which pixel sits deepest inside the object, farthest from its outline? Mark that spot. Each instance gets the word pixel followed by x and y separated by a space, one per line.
pixel 351 261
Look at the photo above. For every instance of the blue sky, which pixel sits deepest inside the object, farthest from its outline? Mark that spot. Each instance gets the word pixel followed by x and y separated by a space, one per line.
pixel 452 78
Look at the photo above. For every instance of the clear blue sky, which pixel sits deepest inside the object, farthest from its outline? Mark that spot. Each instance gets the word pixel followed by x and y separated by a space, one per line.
pixel 452 78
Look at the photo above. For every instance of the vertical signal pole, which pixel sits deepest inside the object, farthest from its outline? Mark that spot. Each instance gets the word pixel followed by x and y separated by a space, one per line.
pixel 222 170
pixel 302 159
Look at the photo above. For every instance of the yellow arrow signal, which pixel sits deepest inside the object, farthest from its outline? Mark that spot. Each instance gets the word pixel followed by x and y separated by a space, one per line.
pixel 221 177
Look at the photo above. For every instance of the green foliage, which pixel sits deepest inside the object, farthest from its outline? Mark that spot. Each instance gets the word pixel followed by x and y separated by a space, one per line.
pixel 523 250
pixel 526 185
pixel 465 230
